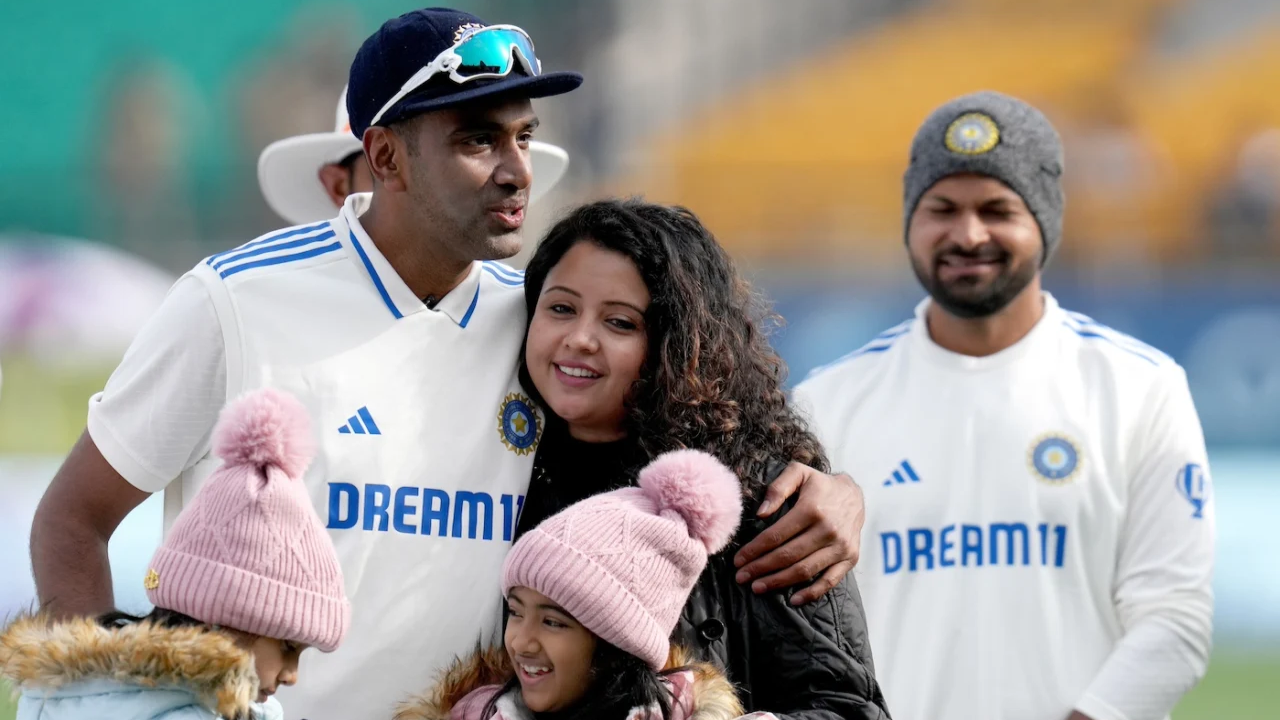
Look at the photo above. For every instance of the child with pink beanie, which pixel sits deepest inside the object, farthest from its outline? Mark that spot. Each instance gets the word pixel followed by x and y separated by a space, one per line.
pixel 246 580
pixel 593 595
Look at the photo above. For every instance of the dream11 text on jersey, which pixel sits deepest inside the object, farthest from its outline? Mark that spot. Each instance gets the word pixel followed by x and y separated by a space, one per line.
pixel 382 512
pixel 923 549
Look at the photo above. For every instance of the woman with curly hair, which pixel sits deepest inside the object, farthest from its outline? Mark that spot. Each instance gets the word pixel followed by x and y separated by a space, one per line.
pixel 643 339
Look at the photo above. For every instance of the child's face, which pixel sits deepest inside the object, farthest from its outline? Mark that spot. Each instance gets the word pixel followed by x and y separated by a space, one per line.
pixel 276 662
pixel 551 651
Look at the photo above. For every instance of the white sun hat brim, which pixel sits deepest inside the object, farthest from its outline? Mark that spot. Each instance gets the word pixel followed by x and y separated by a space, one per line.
pixel 289 173
pixel 549 165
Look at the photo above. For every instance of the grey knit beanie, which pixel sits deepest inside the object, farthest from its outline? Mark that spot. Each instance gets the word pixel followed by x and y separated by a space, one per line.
pixel 991 134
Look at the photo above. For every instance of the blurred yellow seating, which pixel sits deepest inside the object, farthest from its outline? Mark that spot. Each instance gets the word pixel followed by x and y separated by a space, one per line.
pixel 816 154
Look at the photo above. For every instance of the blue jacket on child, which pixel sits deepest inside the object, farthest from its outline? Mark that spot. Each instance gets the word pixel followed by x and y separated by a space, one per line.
pixel 77 670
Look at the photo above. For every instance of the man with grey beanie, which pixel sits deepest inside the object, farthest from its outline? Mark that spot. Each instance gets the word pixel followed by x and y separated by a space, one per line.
pixel 1039 532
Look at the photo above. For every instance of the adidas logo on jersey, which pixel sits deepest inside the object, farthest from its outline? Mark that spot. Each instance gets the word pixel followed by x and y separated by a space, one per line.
pixel 360 424
pixel 903 474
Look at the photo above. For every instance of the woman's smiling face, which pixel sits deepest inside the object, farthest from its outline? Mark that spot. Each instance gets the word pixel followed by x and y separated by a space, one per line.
pixel 587 339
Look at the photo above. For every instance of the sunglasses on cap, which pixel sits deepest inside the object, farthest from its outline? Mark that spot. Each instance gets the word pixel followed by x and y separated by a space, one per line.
pixel 482 53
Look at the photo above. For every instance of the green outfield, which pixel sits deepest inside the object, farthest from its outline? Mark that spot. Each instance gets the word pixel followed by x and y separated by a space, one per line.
pixel 43 404
pixel 1238 687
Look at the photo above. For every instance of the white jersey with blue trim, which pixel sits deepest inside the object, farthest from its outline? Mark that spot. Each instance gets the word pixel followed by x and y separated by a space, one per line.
pixel 1028 513
pixel 426 439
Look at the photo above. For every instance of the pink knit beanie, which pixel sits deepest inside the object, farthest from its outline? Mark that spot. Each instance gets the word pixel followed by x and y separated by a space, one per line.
pixel 623 562
pixel 248 552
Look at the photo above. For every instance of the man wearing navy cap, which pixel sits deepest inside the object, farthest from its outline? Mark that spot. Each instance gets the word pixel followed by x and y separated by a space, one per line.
pixel 306 178
pixel 399 330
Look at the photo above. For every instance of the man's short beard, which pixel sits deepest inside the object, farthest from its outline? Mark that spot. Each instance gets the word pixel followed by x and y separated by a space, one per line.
pixel 1003 289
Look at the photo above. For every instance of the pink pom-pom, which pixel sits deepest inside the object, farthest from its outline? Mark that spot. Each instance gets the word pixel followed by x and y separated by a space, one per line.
pixel 265 427
pixel 698 488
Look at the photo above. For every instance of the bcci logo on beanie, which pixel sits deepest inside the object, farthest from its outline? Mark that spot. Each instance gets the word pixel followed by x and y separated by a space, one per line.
pixel 972 134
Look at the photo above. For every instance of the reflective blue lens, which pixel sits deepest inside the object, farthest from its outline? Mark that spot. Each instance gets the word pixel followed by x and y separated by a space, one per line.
pixel 491 51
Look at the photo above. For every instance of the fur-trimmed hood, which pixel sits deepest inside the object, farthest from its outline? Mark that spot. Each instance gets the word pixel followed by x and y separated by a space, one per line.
pixel 467 686
pixel 39 654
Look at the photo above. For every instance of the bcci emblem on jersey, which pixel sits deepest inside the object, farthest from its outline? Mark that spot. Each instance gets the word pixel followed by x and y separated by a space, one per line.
pixel 1054 459
pixel 518 424
pixel 1193 486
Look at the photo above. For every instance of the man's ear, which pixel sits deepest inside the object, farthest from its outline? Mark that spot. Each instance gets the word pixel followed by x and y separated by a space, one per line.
pixel 387 153
pixel 336 181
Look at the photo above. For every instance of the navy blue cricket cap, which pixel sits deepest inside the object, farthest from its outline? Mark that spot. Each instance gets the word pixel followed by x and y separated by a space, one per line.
pixel 406 44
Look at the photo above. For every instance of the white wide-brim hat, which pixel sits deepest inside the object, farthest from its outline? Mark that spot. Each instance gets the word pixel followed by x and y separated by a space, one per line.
pixel 288 169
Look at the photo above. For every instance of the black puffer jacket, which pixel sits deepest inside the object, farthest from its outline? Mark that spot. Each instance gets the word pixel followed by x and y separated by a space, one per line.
pixel 811 662
pixel 801 663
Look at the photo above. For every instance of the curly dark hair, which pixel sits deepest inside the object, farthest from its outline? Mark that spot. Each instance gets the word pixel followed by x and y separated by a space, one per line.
pixel 711 380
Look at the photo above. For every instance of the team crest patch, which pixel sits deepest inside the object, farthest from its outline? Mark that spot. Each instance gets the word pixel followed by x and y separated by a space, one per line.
pixel 1054 459
pixel 972 134
pixel 465 30
pixel 519 425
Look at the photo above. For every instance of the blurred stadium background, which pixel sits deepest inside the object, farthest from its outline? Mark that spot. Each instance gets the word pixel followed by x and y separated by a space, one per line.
pixel 129 133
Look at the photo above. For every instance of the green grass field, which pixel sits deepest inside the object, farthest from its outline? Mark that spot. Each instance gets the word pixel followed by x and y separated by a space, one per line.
pixel 42 406
pixel 1236 688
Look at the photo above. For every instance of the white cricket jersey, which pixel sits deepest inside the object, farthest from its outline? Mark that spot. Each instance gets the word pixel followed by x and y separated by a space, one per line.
pixel 1025 512
pixel 425 438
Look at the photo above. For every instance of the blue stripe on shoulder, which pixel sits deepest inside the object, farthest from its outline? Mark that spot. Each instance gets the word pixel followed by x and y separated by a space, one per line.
pixel 281 235
pixel 264 249
pixel 501 269
pixel 896 330
pixel 509 282
pixel 878 344
pixel 280 259
pixel 1082 324
pixel 1090 334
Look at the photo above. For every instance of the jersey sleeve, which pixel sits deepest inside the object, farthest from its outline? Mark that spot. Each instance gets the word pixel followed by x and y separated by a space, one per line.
pixel 155 417
pixel 1162 590
pixel 802 401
